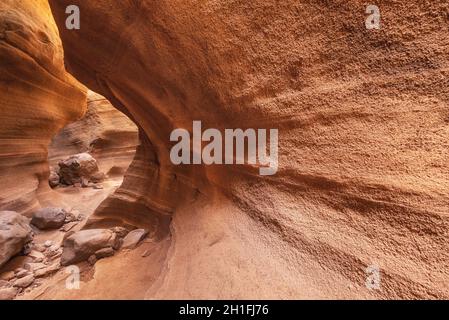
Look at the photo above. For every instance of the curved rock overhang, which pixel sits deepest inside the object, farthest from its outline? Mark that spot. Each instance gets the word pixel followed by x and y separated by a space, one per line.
pixel 362 118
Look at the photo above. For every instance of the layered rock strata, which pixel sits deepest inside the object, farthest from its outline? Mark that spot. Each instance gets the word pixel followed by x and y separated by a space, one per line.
pixel 362 116
pixel 38 98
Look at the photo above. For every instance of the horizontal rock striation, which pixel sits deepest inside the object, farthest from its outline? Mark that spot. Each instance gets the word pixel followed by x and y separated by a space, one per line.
pixel 362 119
pixel 38 98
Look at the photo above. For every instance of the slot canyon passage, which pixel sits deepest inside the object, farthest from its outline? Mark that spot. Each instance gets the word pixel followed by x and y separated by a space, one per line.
pixel 363 154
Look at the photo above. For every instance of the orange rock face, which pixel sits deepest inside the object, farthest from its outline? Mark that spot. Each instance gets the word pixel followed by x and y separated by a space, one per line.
pixel 38 97
pixel 362 117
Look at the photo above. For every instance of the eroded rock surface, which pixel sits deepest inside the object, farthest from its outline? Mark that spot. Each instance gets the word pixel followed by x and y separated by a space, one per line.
pixel 362 117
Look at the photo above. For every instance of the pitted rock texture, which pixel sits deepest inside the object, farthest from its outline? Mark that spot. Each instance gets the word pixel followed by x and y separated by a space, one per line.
pixel 362 117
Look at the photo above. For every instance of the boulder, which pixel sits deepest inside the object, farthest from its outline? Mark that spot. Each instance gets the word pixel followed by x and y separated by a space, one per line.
pixel 8 293
pixel 133 238
pixel 49 218
pixel 82 244
pixel 15 232
pixel 76 168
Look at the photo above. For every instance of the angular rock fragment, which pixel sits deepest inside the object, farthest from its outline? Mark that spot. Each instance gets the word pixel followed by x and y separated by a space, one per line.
pixel 49 218
pixel 133 238
pixel 15 232
pixel 76 168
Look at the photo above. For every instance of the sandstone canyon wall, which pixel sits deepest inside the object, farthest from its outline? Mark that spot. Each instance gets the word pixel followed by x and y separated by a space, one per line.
pixel 363 125
pixel 38 98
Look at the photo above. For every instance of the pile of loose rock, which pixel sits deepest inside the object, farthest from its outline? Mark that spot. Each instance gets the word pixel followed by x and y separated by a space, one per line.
pixel 44 259
pixel 17 237
pixel 80 170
